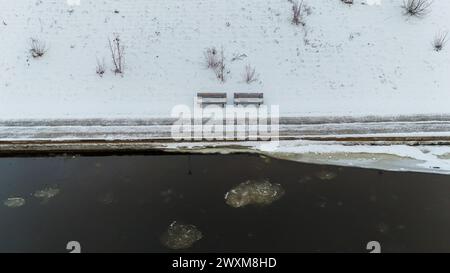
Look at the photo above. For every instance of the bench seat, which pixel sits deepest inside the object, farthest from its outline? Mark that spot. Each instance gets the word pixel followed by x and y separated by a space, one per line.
pixel 212 98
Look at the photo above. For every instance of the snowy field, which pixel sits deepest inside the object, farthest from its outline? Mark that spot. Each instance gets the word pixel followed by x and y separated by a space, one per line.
pixel 352 60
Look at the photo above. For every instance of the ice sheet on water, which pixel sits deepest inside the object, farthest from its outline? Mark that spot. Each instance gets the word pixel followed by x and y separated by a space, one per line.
pixel 180 236
pixel 46 193
pixel 260 192
pixel 14 202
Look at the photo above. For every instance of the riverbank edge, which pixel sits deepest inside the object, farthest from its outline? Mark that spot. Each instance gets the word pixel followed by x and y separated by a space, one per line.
pixel 346 141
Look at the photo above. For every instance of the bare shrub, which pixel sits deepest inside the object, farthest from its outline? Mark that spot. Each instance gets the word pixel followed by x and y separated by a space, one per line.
pixel 221 68
pixel 297 13
pixel 117 54
pixel 38 48
pixel 417 7
pixel 212 57
pixel 250 74
pixel 101 67
pixel 440 40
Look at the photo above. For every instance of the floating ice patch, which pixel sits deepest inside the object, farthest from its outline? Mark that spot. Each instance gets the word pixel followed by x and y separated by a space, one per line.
pixel 180 236
pixel 326 175
pixel 254 193
pixel 46 193
pixel 14 202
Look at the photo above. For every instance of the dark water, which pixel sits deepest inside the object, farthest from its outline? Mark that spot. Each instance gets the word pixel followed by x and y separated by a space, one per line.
pixel 125 204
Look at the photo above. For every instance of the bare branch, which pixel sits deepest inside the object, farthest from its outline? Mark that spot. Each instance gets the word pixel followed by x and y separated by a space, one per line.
pixel 221 69
pixel 417 7
pixel 117 54
pixel 440 40
pixel 250 74
pixel 211 57
pixel 297 13
pixel 100 70
pixel 38 48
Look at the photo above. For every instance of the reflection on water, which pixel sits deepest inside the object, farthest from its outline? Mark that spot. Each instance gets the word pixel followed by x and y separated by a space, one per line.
pixel 326 174
pixel 147 203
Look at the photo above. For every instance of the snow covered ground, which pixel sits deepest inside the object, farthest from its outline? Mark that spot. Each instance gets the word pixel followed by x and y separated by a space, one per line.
pixel 352 60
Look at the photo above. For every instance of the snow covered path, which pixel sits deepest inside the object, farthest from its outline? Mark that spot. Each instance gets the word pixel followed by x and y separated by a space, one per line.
pixel 418 128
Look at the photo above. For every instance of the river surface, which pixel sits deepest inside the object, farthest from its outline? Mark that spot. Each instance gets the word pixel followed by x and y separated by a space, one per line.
pixel 130 203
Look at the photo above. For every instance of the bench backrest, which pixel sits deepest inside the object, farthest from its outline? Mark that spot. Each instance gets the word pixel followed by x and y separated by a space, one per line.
pixel 212 95
pixel 248 95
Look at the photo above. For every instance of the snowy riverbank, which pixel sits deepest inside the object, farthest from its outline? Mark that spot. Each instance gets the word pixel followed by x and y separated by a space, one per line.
pixel 354 72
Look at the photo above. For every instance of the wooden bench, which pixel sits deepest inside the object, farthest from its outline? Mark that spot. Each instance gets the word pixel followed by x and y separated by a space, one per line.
pixel 212 98
pixel 248 98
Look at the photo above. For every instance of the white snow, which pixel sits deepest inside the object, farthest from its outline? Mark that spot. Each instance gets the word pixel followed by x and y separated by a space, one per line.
pixel 348 60
pixel 423 158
